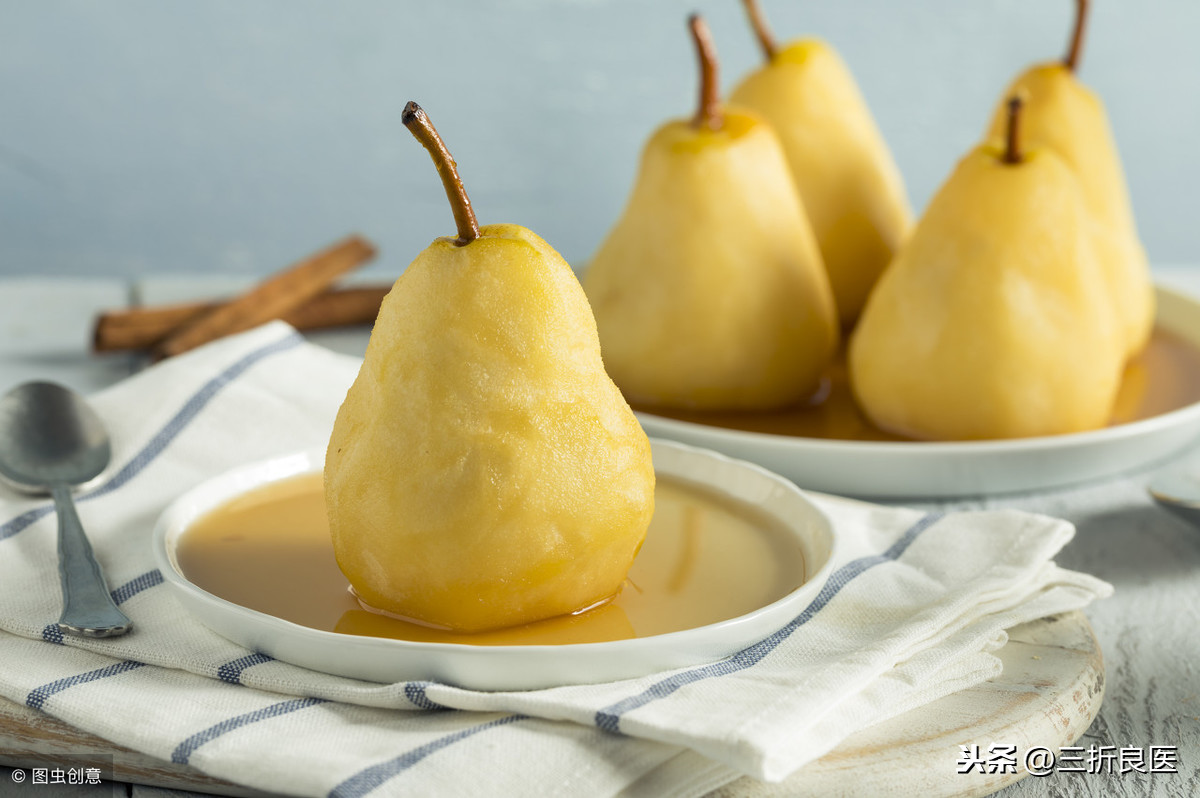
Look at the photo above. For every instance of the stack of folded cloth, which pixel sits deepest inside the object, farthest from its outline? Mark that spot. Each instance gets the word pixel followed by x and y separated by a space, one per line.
pixel 915 606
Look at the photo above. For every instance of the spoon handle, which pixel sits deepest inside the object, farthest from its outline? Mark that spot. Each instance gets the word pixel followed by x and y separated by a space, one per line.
pixel 88 608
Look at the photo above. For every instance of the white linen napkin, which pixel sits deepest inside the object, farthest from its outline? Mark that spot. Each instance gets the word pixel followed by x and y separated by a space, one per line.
pixel 915 604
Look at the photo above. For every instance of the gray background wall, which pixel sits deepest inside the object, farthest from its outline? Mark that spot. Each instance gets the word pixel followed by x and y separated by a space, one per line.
pixel 148 136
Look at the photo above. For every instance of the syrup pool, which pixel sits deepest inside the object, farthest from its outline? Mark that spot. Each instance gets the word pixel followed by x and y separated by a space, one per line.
pixel 1165 376
pixel 705 560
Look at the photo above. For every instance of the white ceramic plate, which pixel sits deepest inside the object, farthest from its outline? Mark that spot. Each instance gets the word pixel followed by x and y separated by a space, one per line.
pixel 975 468
pixel 507 667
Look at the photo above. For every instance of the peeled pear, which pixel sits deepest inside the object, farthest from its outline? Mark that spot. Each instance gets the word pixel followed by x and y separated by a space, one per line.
pixel 849 182
pixel 992 321
pixel 483 470
pixel 1064 115
pixel 709 292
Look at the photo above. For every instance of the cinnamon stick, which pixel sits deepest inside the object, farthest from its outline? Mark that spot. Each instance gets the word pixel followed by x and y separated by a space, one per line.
pixel 271 298
pixel 146 328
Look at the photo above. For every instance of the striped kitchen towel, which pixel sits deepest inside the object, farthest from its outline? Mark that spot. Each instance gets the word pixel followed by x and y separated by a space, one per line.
pixel 911 613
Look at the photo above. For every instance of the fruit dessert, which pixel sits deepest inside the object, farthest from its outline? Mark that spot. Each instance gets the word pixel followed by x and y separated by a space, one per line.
pixel 1067 117
pixel 709 292
pixel 852 190
pixel 484 471
pixel 994 319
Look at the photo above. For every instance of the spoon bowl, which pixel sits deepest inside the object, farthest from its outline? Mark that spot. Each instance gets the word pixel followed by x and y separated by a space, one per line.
pixel 49 434
pixel 1179 492
pixel 51 441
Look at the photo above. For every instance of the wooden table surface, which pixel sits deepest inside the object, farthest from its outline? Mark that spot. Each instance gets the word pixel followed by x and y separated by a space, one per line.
pixel 1148 631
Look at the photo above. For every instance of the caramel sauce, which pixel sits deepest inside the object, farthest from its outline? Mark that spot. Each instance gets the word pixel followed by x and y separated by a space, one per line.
pixel 704 560
pixel 1165 376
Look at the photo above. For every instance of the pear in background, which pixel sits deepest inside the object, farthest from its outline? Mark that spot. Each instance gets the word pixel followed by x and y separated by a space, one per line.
pixel 709 292
pixel 1063 114
pixel 850 185
pixel 992 321
pixel 483 470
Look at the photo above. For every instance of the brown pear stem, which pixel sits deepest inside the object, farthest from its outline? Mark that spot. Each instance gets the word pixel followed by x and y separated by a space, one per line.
pixel 1072 59
pixel 419 124
pixel 708 115
pixel 763 31
pixel 1012 146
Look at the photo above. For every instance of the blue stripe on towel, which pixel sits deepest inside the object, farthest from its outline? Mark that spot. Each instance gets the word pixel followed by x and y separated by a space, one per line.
pixel 38 696
pixel 232 671
pixel 185 749
pixel 609 718
pixel 25 519
pixel 368 779
pixel 415 693
pixel 137 585
pixel 163 437
pixel 52 634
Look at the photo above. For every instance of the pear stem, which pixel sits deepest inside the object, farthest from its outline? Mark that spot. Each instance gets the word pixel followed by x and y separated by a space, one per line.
pixel 765 39
pixel 708 115
pixel 1072 59
pixel 1012 147
pixel 419 124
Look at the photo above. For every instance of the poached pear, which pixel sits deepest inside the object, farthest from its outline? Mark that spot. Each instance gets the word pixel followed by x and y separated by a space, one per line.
pixel 709 292
pixel 483 470
pixel 993 320
pixel 849 182
pixel 1064 115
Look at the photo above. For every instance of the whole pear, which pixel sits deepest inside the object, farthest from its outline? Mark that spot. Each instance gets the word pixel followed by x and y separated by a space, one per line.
pixel 849 182
pixel 1064 115
pixel 483 470
pixel 709 292
pixel 993 320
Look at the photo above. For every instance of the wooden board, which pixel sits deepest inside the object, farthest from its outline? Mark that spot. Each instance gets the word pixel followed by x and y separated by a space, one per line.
pixel 1048 694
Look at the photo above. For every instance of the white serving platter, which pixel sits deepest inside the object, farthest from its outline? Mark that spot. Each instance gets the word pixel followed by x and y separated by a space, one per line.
pixel 507 667
pixel 956 469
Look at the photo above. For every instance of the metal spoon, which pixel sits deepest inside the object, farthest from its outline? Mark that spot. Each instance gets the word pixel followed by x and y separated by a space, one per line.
pixel 1179 492
pixel 51 440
